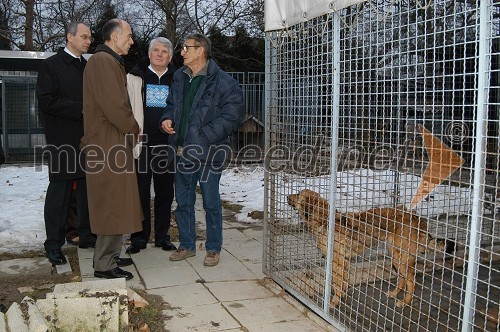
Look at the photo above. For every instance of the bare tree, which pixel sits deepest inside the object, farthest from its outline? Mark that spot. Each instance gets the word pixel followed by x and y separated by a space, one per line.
pixel 20 17
pixel 223 14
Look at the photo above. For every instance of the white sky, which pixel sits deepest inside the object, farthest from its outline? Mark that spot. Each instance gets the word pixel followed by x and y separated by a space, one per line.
pixel 22 195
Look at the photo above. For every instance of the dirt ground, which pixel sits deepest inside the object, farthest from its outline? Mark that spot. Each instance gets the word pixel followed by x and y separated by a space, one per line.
pixel 35 286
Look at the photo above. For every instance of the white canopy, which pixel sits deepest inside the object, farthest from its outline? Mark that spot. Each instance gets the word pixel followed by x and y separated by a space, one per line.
pixel 281 14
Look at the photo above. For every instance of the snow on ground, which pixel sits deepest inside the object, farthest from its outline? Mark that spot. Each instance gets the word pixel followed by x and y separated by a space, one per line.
pixel 23 188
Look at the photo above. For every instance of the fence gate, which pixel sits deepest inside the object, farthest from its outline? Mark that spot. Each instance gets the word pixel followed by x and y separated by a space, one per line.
pixel 382 162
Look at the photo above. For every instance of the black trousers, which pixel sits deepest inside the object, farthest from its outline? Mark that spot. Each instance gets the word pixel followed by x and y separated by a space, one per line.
pixel 57 203
pixel 153 164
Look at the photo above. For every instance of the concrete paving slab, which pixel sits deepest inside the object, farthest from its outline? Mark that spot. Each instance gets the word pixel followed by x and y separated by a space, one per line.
pixel 135 283
pixel 36 321
pixel 238 290
pixel 232 234
pixel 186 295
pixel 256 233
pixel 177 273
pixel 264 311
pixel 256 269
pixel 86 269
pixel 85 253
pixel 210 317
pixel 91 287
pixel 94 314
pixel 229 268
pixel 272 286
pixel 23 266
pixel 15 320
pixel 3 324
pixel 249 250
pixel 296 325
pixel 64 268
pixel 151 257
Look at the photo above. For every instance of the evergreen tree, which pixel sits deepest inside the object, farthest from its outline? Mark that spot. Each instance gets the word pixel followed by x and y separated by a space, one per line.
pixel 137 51
pixel 247 53
pixel 108 13
pixel 219 48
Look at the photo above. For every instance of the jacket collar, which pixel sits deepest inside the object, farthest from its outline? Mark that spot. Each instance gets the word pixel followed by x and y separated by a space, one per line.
pixel 141 67
pixel 68 57
pixel 107 49
pixel 210 69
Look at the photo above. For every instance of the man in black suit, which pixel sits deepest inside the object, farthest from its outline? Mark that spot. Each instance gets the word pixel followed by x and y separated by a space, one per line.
pixel 60 99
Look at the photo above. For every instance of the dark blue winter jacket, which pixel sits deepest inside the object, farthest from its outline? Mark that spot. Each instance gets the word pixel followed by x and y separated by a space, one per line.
pixel 217 112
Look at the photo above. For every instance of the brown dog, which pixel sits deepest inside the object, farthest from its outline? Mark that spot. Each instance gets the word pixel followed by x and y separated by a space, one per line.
pixel 406 234
pixel 313 209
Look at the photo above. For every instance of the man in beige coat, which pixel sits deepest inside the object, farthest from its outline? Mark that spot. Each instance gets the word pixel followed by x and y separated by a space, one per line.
pixel 110 131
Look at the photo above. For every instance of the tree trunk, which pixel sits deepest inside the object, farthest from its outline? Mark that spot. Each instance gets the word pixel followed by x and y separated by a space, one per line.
pixel 29 19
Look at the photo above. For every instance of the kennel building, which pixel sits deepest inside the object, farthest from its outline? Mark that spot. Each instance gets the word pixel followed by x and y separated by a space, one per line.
pixel 20 124
pixel 382 180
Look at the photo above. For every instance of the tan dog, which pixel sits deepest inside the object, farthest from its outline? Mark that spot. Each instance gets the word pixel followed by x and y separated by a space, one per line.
pixel 313 209
pixel 405 233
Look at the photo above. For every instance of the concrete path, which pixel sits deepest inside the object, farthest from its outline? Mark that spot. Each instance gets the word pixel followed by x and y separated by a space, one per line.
pixel 232 296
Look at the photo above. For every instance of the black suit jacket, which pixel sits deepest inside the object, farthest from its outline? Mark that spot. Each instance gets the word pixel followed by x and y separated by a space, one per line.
pixel 59 91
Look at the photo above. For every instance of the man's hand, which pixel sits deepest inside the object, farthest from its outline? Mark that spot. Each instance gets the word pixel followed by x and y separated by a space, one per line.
pixel 167 127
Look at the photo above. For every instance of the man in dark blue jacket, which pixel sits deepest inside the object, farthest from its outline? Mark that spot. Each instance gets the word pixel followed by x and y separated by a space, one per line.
pixel 204 107
pixel 59 91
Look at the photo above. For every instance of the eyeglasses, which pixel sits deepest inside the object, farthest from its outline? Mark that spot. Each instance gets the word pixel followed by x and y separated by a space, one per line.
pixel 185 48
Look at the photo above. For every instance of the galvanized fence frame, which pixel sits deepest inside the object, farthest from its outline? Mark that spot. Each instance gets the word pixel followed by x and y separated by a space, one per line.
pixel 359 104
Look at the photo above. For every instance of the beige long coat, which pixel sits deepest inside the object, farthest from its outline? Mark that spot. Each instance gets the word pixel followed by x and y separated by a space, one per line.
pixel 109 129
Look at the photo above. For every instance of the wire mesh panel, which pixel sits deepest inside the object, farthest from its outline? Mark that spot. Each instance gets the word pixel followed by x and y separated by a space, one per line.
pixel 382 165
pixel 21 123
pixel 248 142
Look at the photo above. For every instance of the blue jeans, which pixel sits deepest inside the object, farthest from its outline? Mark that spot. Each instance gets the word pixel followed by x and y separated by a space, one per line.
pixel 185 196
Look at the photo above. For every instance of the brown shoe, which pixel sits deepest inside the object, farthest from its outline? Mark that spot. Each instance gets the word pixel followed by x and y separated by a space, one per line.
pixel 211 259
pixel 181 254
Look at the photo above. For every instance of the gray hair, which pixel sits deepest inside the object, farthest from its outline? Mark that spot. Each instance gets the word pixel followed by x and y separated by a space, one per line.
pixel 164 41
pixel 203 41
pixel 71 28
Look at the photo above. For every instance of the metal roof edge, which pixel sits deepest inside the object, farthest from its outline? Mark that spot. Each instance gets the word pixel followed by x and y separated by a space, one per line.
pixel 25 54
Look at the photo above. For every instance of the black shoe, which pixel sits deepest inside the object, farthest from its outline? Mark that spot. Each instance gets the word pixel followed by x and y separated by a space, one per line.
pixel 133 249
pixel 168 246
pixel 123 261
pixel 56 257
pixel 114 274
